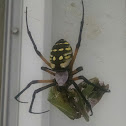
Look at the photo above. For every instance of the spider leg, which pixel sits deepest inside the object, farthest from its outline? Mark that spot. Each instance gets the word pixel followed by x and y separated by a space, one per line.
pixel 48 70
pixel 32 82
pixel 35 47
pixel 83 97
pixel 79 38
pixel 34 94
pixel 77 70
pixel 88 82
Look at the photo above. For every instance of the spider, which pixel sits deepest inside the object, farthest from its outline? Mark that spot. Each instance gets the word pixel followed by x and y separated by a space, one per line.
pixel 61 67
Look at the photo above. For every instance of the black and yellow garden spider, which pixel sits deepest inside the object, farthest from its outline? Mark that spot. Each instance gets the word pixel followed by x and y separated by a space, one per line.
pixel 61 67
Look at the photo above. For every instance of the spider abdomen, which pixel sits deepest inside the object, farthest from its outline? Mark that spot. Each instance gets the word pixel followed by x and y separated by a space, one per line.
pixel 61 55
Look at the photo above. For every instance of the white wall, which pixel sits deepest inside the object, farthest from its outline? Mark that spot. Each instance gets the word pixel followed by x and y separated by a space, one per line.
pixel 102 54
pixel 39 21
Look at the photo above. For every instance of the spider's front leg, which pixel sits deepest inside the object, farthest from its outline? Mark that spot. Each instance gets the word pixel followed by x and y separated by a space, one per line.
pixel 32 82
pixel 79 37
pixel 88 82
pixel 34 45
pixel 37 91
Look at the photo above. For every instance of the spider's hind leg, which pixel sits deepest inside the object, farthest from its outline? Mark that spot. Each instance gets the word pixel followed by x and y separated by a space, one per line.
pixel 34 94
pixel 31 83
pixel 88 82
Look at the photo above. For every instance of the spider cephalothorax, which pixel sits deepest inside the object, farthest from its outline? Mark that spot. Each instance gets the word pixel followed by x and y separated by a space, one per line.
pixel 61 67
pixel 61 78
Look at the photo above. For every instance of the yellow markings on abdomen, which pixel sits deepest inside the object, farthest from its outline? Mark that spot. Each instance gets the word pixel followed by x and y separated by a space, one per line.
pixel 61 57
pixel 67 57
pixel 68 49
pixel 61 49
pixel 66 43
pixel 68 53
pixel 54 58
pixel 54 50
pixel 65 64
pixel 62 43
pixel 52 65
